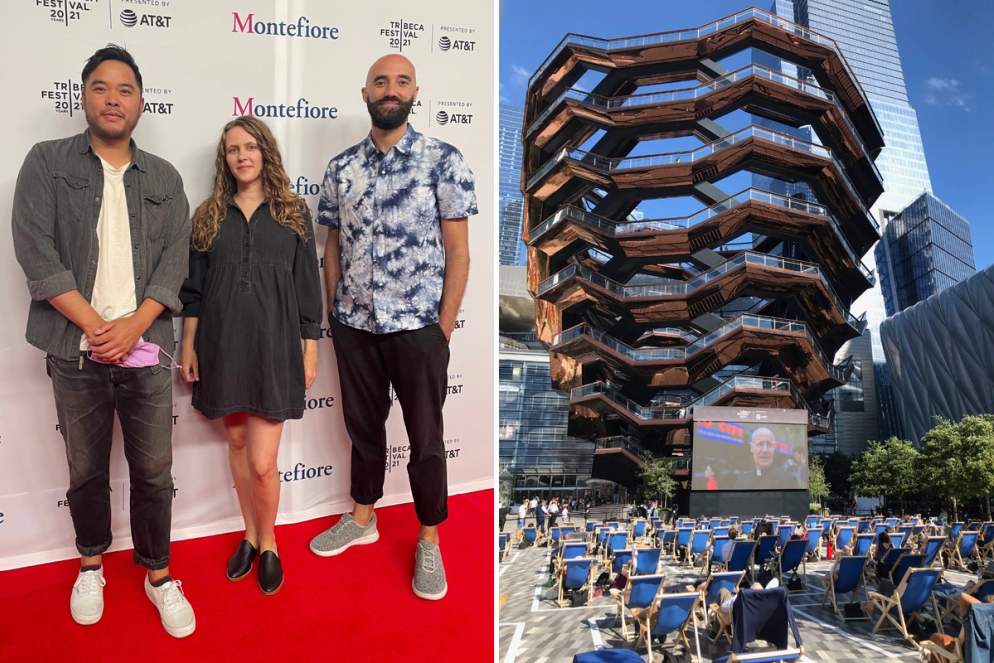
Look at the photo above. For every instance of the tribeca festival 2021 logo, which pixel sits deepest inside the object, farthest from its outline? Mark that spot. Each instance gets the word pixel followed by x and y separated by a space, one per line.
pixel 303 109
pixel 455 39
pixel 67 12
pixel 402 34
pixel 452 112
pixel 67 98
pixel 249 24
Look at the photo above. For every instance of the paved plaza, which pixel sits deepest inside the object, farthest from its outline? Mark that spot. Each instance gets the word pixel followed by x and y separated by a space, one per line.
pixel 532 629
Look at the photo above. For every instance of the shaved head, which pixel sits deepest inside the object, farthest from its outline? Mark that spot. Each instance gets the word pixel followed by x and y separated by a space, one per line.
pixel 390 92
pixel 762 445
pixel 392 63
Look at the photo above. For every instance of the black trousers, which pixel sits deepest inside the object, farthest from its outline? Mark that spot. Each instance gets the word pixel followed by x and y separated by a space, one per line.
pixel 416 364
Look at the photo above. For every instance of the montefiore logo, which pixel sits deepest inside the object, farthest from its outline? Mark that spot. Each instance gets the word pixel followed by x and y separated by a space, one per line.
pixel 301 472
pixel 129 19
pixel 302 28
pixel 301 110
pixel 444 43
pixel 442 118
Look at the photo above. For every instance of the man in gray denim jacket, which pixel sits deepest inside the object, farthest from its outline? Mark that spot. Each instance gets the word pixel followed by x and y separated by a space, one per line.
pixel 102 232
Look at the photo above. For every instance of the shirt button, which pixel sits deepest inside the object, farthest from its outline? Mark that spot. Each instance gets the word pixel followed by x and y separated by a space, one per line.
pixel 383 172
pixel 138 278
pixel 136 246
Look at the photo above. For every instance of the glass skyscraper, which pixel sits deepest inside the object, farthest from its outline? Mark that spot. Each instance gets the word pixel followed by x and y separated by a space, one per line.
pixel 511 250
pixel 925 249
pixel 904 265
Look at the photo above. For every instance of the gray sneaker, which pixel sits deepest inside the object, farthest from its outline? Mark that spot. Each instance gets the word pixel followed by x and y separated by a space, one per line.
pixel 429 574
pixel 345 534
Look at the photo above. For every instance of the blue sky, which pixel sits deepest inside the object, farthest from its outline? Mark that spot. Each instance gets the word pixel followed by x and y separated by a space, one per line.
pixel 947 51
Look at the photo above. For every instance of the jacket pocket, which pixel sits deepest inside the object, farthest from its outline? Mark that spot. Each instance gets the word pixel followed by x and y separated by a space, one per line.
pixel 156 211
pixel 71 196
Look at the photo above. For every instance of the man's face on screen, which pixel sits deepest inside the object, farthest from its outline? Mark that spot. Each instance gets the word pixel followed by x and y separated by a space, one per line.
pixel 762 447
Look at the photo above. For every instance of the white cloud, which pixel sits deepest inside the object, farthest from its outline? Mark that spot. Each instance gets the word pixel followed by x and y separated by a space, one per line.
pixel 521 75
pixel 947 92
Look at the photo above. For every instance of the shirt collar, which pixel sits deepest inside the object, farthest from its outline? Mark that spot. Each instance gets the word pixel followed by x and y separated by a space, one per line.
pixel 232 203
pixel 403 146
pixel 138 158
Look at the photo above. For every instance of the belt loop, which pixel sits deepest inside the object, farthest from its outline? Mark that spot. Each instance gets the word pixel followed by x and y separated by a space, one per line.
pixel 81 362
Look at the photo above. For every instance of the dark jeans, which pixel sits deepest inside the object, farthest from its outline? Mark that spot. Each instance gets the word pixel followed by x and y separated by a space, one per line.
pixel 416 364
pixel 85 400
pixel 540 524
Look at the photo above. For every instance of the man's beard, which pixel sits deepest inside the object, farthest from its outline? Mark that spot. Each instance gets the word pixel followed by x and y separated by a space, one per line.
pixel 124 132
pixel 389 118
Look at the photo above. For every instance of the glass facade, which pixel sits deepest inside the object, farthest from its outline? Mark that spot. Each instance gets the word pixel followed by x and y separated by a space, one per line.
pixel 927 247
pixel 511 250
pixel 531 433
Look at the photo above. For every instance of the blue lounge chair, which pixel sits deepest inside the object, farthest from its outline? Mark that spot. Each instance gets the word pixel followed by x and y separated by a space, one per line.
pixel 715 522
pixel 966 547
pixel 578 575
pixel 747 528
pixel 698 545
pixel 590 527
pixel 905 562
pixel 734 520
pixel 675 612
pixel 862 526
pixel 504 542
pixel 880 528
pixel 666 538
pixel 567 530
pixel 846 577
pixel 608 656
pixel 894 554
pixel 530 535
pixel 954 530
pixel 893 522
pixel 863 543
pixel 621 560
pixel 638 531
pixel 573 550
pixel 764 551
pixel 641 592
pixel 854 522
pixel 911 596
pixel 843 538
pixel 973 526
pixel 646 561
pixel 826 527
pixel 949 604
pixel 918 529
pixel 720 531
pixel 811 551
pixel 720 548
pixel 898 539
pixel 725 523
pixel 709 594
pixel 683 539
pixel 555 534
pixel 740 557
pixel 812 522
pixel 616 541
pixel 791 557
pixel 932 548
pixel 784 536
pixel 906 530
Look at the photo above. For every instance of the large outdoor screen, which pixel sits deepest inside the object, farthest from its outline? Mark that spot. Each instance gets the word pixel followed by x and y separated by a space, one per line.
pixel 749 449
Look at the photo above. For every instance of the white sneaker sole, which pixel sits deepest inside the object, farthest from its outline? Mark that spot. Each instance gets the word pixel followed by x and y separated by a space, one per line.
pixel 175 632
pixel 361 541
pixel 430 597
pixel 86 621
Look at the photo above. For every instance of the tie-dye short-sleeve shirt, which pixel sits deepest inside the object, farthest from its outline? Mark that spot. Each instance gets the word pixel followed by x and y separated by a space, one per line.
pixel 388 210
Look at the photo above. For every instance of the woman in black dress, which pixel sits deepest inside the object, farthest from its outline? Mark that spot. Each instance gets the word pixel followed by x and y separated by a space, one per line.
pixel 253 294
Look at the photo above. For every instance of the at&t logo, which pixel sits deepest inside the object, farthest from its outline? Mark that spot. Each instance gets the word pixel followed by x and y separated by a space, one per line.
pixel 453 112
pixel 130 19
pixel 66 11
pixel 451 451
pixel 458 41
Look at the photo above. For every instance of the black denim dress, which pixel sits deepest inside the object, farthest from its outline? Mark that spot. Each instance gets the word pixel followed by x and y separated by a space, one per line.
pixel 257 293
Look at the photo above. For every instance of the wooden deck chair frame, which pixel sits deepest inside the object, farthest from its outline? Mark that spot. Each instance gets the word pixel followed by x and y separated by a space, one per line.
pixel 724 623
pixel 590 584
pixel 767 656
pixel 779 570
pixel 885 603
pixel 681 632
pixel 619 598
pixel 948 606
pixel 830 590
pixel 704 595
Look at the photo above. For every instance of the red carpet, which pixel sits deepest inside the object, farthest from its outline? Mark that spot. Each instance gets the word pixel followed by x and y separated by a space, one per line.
pixel 354 607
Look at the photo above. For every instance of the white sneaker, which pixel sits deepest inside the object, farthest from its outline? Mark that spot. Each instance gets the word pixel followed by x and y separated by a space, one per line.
pixel 87 601
pixel 175 610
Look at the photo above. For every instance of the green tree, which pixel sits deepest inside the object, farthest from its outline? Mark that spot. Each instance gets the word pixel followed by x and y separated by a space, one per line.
pixel 838 473
pixel 890 468
pixel 817 486
pixel 657 478
pixel 957 460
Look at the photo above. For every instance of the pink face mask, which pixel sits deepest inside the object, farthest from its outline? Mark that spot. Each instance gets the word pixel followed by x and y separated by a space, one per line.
pixel 143 355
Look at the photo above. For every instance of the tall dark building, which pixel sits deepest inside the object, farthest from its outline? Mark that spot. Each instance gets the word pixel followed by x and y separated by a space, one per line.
pixel 744 302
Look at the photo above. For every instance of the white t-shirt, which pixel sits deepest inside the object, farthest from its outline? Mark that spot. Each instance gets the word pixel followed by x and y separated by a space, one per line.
pixel 114 287
pixel 533 504
pixel 522 510
pixel 554 508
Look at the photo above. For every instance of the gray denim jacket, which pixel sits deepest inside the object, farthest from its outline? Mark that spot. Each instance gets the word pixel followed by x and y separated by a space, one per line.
pixel 56 207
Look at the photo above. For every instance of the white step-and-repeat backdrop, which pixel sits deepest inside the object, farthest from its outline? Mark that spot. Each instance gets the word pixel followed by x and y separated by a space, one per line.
pixel 204 62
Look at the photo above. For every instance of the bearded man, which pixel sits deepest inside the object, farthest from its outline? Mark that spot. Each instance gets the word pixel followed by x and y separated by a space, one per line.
pixel 396 264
